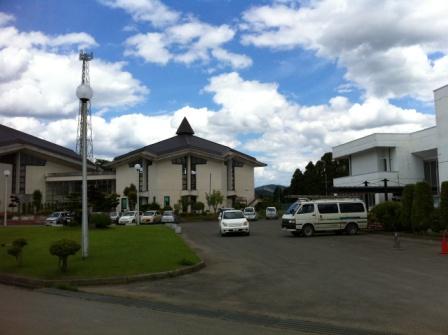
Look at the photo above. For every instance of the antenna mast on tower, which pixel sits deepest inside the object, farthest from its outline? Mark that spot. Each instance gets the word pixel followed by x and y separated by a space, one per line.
pixel 85 57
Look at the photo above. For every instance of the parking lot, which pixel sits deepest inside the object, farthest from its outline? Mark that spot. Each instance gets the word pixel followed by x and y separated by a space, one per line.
pixel 360 282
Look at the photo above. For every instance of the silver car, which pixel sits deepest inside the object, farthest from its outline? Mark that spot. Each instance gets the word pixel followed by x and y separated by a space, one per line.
pixel 250 213
pixel 271 213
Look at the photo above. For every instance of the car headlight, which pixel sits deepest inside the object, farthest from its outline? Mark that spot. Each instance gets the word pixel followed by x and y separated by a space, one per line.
pixel 224 224
pixel 292 221
pixel 245 223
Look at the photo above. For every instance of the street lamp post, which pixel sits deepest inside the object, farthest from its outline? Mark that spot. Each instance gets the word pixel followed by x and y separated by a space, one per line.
pixel 6 173
pixel 84 93
pixel 139 170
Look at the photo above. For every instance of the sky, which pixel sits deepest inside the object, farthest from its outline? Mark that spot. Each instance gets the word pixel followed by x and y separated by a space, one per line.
pixel 281 80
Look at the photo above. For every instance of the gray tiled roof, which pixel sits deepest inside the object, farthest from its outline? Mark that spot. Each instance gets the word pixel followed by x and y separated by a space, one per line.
pixel 12 136
pixel 186 140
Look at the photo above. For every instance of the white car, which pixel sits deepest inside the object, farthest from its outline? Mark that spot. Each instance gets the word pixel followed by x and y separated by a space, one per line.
pixel 271 213
pixel 168 217
pixel 250 213
pixel 128 218
pixel 233 221
pixel 151 217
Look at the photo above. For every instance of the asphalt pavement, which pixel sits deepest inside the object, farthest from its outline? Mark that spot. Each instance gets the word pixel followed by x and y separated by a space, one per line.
pixel 358 282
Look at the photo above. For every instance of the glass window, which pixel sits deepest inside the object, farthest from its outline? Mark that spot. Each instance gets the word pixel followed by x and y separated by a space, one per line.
pixel 306 208
pixel 233 215
pixel 351 207
pixel 328 208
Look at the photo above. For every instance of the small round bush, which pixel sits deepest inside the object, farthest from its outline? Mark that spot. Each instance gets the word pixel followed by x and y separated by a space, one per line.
pixel 64 248
pixel 100 220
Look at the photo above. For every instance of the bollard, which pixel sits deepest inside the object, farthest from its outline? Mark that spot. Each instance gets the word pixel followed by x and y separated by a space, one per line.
pixel 397 244
pixel 178 229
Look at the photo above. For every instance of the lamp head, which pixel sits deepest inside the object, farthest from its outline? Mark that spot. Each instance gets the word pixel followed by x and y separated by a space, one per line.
pixel 6 173
pixel 84 92
pixel 138 167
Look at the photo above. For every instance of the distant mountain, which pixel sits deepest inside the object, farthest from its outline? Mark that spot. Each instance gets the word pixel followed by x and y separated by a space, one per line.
pixel 267 190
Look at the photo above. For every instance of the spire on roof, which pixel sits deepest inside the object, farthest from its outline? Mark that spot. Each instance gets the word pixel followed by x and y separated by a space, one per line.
pixel 185 128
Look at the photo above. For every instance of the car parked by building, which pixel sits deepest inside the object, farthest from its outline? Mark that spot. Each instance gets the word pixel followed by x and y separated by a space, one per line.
pixel 151 217
pixel 250 213
pixel 233 221
pixel 130 217
pixel 58 218
pixel 114 216
pixel 169 217
pixel 271 213
pixel 347 215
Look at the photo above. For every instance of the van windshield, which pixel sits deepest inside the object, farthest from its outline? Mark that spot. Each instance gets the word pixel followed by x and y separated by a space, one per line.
pixel 293 208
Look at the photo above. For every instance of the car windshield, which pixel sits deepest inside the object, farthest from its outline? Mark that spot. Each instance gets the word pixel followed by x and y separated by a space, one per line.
pixel 270 209
pixel 54 215
pixel 249 210
pixel 129 214
pixel 150 213
pixel 293 208
pixel 233 215
pixel 168 213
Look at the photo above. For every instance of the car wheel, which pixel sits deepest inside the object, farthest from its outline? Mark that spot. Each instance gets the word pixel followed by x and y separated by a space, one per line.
pixel 308 230
pixel 352 229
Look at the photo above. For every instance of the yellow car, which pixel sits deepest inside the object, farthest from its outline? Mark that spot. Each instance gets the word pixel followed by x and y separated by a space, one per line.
pixel 151 217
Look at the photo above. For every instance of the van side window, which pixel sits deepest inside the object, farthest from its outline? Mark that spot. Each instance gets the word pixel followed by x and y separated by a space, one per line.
pixel 307 208
pixel 328 208
pixel 351 207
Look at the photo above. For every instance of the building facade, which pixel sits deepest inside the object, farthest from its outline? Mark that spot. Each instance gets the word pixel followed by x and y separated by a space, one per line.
pixel 186 167
pixel 183 167
pixel 382 164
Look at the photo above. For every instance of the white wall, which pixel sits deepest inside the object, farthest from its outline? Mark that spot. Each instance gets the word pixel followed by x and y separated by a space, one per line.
pixel 4 167
pixel 244 182
pixel 441 105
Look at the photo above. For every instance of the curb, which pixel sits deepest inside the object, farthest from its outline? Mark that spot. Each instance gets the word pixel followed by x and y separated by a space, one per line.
pixel 29 282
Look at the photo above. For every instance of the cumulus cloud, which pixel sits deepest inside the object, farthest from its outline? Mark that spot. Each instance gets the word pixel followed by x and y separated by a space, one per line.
pixel 181 39
pixel 39 78
pixel 385 46
pixel 253 117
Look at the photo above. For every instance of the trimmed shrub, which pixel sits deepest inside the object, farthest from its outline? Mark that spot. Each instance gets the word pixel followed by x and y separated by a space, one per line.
pixel 436 224
pixel 64 248
pixel 444 206
pixel 388 214
pixel 422 207
pixel 198 206
pixel 16 249
pixel 100 220
pixel 406 201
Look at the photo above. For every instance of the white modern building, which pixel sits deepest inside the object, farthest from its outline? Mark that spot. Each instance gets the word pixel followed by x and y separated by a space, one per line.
pixel 397 159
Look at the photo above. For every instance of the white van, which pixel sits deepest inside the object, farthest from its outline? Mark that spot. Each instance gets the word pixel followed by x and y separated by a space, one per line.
pixel 347 215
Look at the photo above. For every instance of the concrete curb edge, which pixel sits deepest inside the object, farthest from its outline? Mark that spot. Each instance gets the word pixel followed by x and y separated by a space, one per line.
pixel 30 282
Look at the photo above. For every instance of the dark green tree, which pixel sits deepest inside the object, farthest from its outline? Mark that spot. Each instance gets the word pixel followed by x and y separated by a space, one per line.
pixel 407 200
pixel 62 249
pixel 444 205
pixel 37 200
pixel 422 207
pixel 131 192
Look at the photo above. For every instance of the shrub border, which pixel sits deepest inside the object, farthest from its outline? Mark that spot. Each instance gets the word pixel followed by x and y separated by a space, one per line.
pixel 30 282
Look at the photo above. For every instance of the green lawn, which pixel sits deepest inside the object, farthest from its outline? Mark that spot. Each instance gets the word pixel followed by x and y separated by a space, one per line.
pixel 113 251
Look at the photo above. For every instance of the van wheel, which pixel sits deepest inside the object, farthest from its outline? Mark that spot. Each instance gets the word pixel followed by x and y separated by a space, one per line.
pixel 308 230
pixel 352 229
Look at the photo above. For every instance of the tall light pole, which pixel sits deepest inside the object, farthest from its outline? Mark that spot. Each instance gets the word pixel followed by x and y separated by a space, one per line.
pixel 6 173
pixel 139 170
pixel 84 93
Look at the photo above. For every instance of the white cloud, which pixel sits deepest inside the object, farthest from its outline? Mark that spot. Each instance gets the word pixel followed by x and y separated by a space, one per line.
pixel 181 38
pixel 31 80
pixel 253 117
pixel 152 11
pixel 5 18
pixel 386 46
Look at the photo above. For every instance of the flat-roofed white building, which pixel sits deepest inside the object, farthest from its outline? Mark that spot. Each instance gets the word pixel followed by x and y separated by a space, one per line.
pixel 398 159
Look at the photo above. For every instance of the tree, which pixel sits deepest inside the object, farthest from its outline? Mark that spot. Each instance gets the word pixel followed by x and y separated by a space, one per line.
pixel 214 199
pixel 422 207
pixel 444 205
pixel 131 192
pixel 37 200
pixel 64 248
pixel 16 248
pixel 407 200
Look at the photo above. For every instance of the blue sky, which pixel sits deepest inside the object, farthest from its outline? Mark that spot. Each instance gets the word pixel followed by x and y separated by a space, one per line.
pixel 282 80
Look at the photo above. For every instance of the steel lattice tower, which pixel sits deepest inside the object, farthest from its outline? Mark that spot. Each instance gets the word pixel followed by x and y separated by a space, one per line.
pixel 85 57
